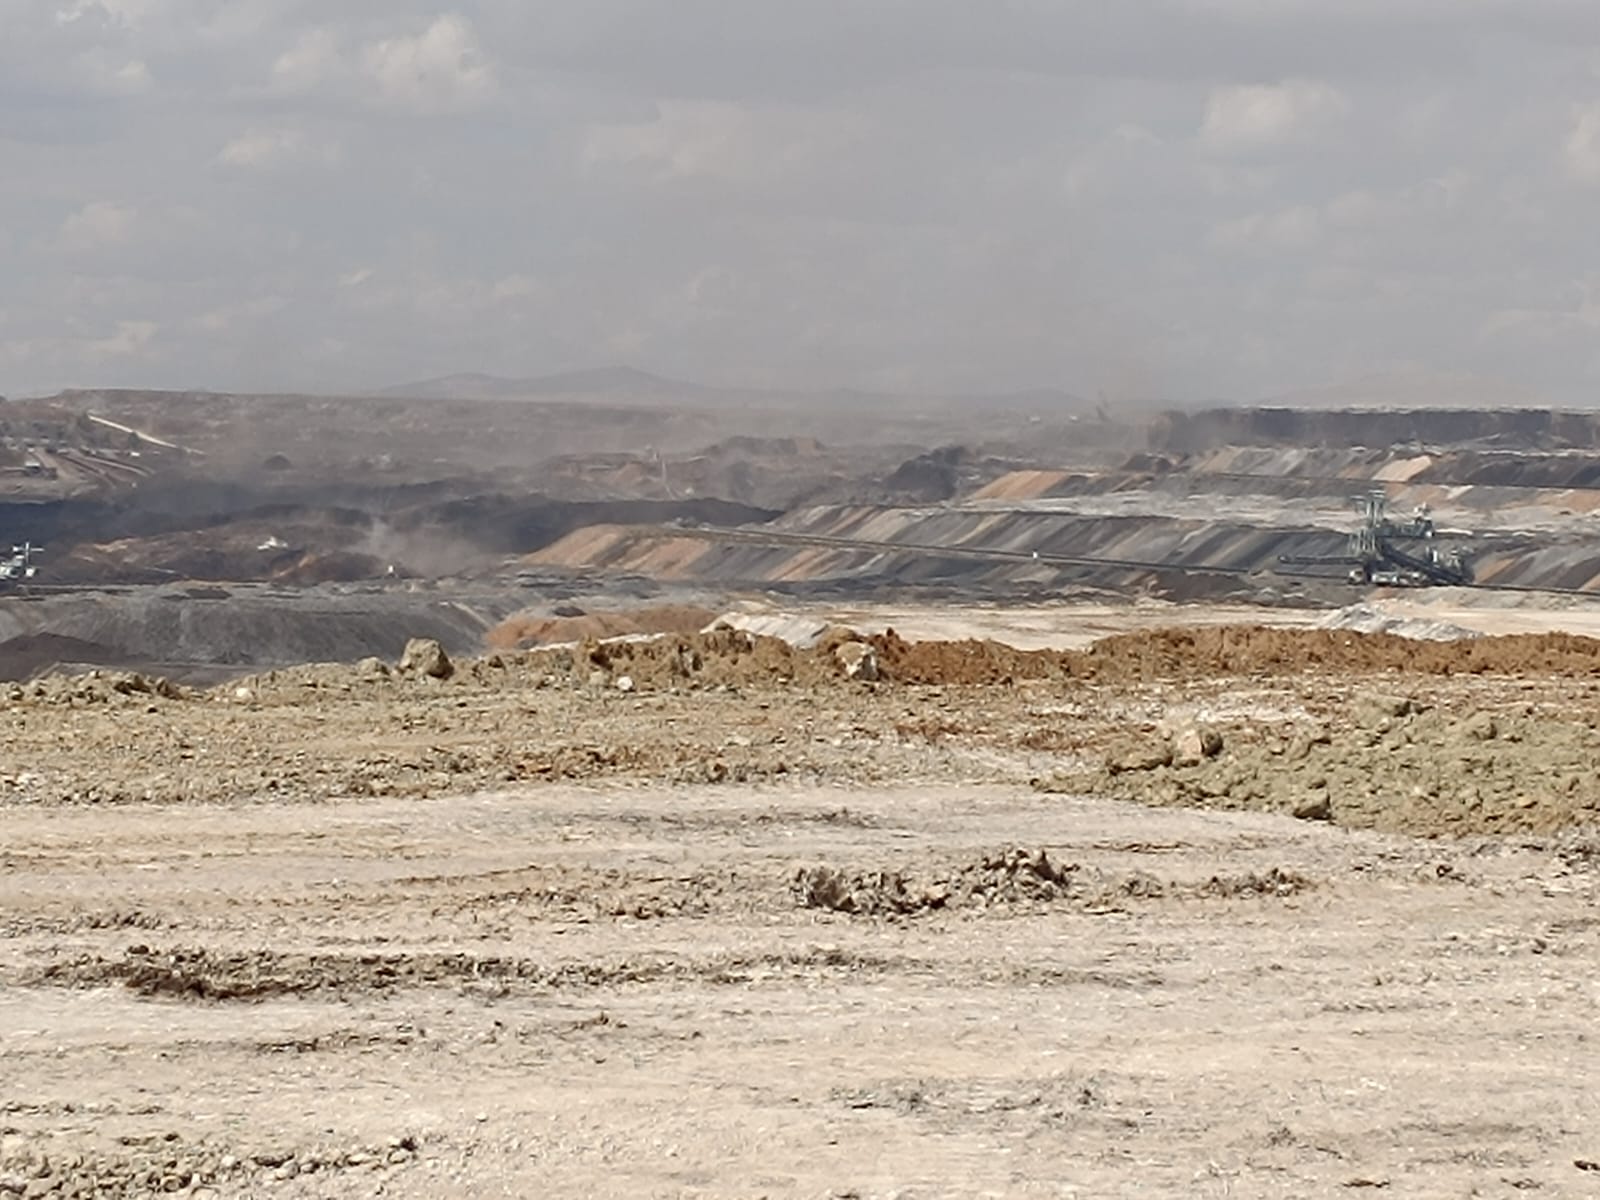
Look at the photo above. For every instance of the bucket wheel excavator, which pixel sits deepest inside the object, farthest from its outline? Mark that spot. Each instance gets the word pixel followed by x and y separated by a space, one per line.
pixel 1393 553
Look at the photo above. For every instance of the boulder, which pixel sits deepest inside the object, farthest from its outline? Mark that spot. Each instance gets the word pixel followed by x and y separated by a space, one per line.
pixel 1194 745
pixel 858 660
pixel 1316 807
pixel 424 656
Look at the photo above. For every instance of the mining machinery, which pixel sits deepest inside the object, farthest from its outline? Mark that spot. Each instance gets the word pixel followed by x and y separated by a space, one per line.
pixel 1393 553
pixel 18 568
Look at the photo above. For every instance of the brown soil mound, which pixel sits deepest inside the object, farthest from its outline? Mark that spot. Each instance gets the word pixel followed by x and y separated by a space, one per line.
pixel 1393 766
pixel 735 658
pixel 723 657
pixel 526 630
pixel 1235 651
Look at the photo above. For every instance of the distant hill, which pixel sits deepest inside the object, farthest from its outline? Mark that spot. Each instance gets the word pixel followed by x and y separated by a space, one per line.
pixel 630 383
pixel 601 381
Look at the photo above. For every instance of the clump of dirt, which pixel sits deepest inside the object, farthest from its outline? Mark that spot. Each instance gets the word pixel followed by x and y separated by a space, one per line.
pixel 1392 764
pixel 1275 881
pixel 1006 877
pixel 527 630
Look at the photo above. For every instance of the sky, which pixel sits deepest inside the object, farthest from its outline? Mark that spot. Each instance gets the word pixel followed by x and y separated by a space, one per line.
pixel 1181 200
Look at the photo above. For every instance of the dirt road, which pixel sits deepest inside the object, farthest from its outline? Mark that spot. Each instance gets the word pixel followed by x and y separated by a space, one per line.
pixel 621 991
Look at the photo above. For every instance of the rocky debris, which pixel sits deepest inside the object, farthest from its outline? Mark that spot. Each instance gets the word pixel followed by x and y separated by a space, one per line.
pixel 425 656
pixel 1275 882
pixel 215 976
pixel 94 687
pixel 1006 877
pixel 1392 764
pixel 724 656
pixel 1013 877
pixel 163 1165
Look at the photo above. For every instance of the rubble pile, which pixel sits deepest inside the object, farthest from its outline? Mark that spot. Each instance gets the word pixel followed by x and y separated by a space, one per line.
pixel 93 687
pixel 1009 876
pixel 157 1166
pixel 1392 763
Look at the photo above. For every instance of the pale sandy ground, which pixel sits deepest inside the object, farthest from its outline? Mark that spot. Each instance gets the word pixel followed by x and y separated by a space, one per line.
pixel 1417 1017
pixel 1065 626
pixel 1073 626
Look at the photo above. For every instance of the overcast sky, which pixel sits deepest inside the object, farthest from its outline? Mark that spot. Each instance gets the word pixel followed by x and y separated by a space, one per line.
pixel 1178 199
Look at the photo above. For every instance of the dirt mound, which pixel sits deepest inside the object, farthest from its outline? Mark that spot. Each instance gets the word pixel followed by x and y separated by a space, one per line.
pixel 1236 650
pixel 1015 876
pixel 526 630
pixel 973 662
pixel 719 658
pixel 726 657
pixel 1395 766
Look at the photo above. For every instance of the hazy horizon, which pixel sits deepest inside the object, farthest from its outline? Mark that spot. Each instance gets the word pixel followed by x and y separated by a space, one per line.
pixel 1176 200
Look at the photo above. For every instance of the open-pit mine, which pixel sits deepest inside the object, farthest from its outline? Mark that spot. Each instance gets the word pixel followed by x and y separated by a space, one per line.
pixel 621 788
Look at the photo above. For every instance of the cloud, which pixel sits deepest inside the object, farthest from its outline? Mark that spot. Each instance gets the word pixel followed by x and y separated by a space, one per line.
pixel 272 149
pixel 1292 229
pixel 132 339
pixel 96 226
pixel 124 14
pixel 1262 116
pixel 315 61
pixel 1581 152
pixel 231 317
pixel 1208 197
pixel 438 70
pixel 723 142
pixel 104 72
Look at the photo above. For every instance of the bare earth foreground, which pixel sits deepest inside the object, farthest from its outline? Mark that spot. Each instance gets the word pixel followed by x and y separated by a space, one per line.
pixel 770 931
